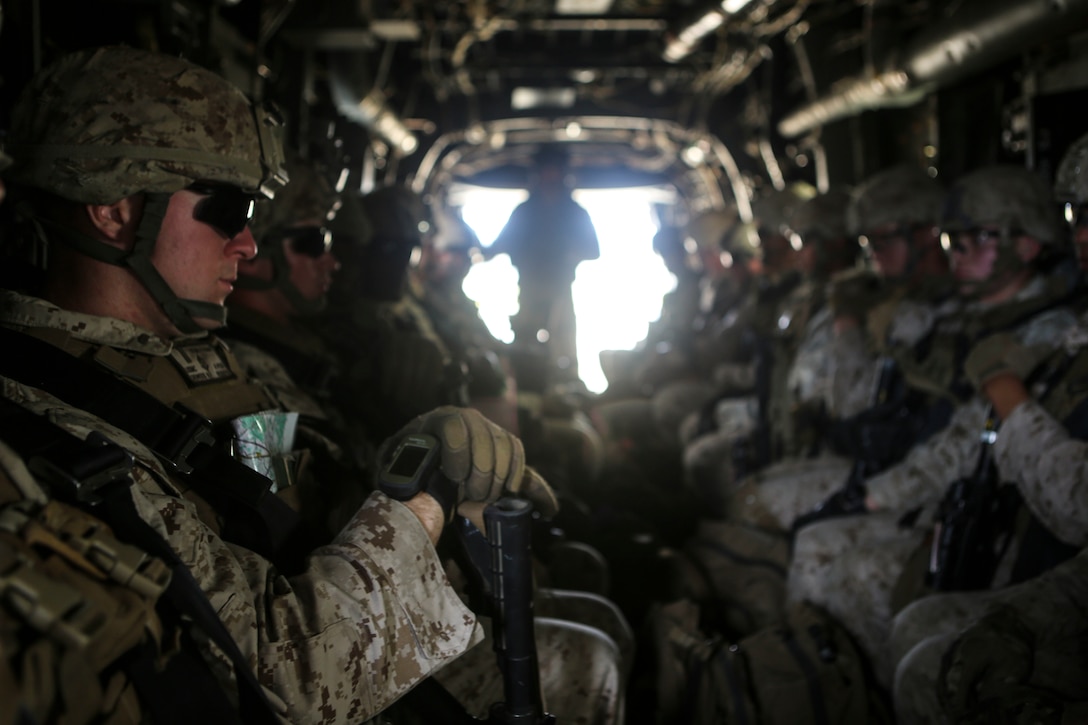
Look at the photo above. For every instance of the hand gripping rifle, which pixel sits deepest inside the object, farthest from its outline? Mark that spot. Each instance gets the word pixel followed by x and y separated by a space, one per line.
pixel 970 523
pixel 499 569
pixel 850 499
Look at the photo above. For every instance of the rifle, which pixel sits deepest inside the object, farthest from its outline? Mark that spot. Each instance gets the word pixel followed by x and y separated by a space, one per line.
pixel 966 549
pixel 850 499
pixel 499 568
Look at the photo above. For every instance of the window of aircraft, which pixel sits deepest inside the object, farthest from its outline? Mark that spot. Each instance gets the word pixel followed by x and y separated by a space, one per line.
pixel 615 297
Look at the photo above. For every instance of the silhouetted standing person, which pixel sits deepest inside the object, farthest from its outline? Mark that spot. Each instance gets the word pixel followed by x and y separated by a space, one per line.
pixel 547 237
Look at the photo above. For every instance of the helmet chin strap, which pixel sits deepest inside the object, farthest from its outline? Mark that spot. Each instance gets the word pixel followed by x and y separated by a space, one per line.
pixel 182 313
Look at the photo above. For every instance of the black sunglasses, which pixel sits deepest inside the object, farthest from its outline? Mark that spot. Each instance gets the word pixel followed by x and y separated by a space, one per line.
pixel 879 241
pixel 224 207
pixel 313 241
pixel 957 241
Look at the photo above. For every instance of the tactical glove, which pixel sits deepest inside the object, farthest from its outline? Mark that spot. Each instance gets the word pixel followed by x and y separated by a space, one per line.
pixel 1002 354
pixel 484 460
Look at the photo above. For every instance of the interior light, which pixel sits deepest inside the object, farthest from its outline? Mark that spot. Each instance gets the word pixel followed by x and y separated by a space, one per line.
pixel 524 99
pixel 734 6
pixel 574 129
pixel 693 156
pixel 681 46
pixel 475 134
pixel 582 7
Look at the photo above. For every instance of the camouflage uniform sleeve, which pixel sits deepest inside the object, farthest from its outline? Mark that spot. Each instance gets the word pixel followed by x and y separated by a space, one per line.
pixel 1050 467
pixel 371 615
pixel 923 476
pixel 854 372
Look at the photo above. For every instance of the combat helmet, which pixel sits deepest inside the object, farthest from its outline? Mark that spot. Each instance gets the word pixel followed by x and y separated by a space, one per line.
pixel 902 195
pixel 773 211
pixel 397 214
pixel 398 223
pixel 100 125
pixel 771 215
pixel 1071 181
pixel 301 211
pixel 820 223
pixel 1012 198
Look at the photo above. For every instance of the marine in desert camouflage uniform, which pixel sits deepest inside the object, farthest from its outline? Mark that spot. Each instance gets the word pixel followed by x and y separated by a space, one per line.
pixel 400 367
pixel 876 313
pixel 112 144
pixel 799 343
pixel 999 222
pixel 1043 617
pixel 282 287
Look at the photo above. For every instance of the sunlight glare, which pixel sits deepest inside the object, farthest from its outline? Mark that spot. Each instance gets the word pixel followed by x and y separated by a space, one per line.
pixel 615 297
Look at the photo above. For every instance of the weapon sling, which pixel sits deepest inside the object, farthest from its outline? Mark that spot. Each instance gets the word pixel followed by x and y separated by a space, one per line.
pixel 93 475
pixel 181 438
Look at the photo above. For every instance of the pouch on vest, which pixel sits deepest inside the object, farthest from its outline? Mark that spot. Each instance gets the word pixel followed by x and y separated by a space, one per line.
pixel 77 602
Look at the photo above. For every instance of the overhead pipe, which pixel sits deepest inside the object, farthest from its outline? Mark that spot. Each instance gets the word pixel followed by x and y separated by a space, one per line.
pixel 364 102
pixel 684 41
pixel 981 35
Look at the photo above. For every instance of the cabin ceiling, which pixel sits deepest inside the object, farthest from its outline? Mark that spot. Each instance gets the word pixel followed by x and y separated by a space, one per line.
pixel 712 97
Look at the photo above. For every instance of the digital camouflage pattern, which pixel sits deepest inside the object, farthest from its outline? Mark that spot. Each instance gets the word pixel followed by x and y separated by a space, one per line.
pixel 1071 181
pixel 473 679
pixel 1052 466
pixel 100 125
pixel 590 610
pixel 899 195
pixel 339 641
pixel 1015 199
pixel 959 653
pixel 1048 466
pixel 579 675
pixel 70 614
pixel 851 566
pixel 774 210
pixel 822 217
pixel 777 495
